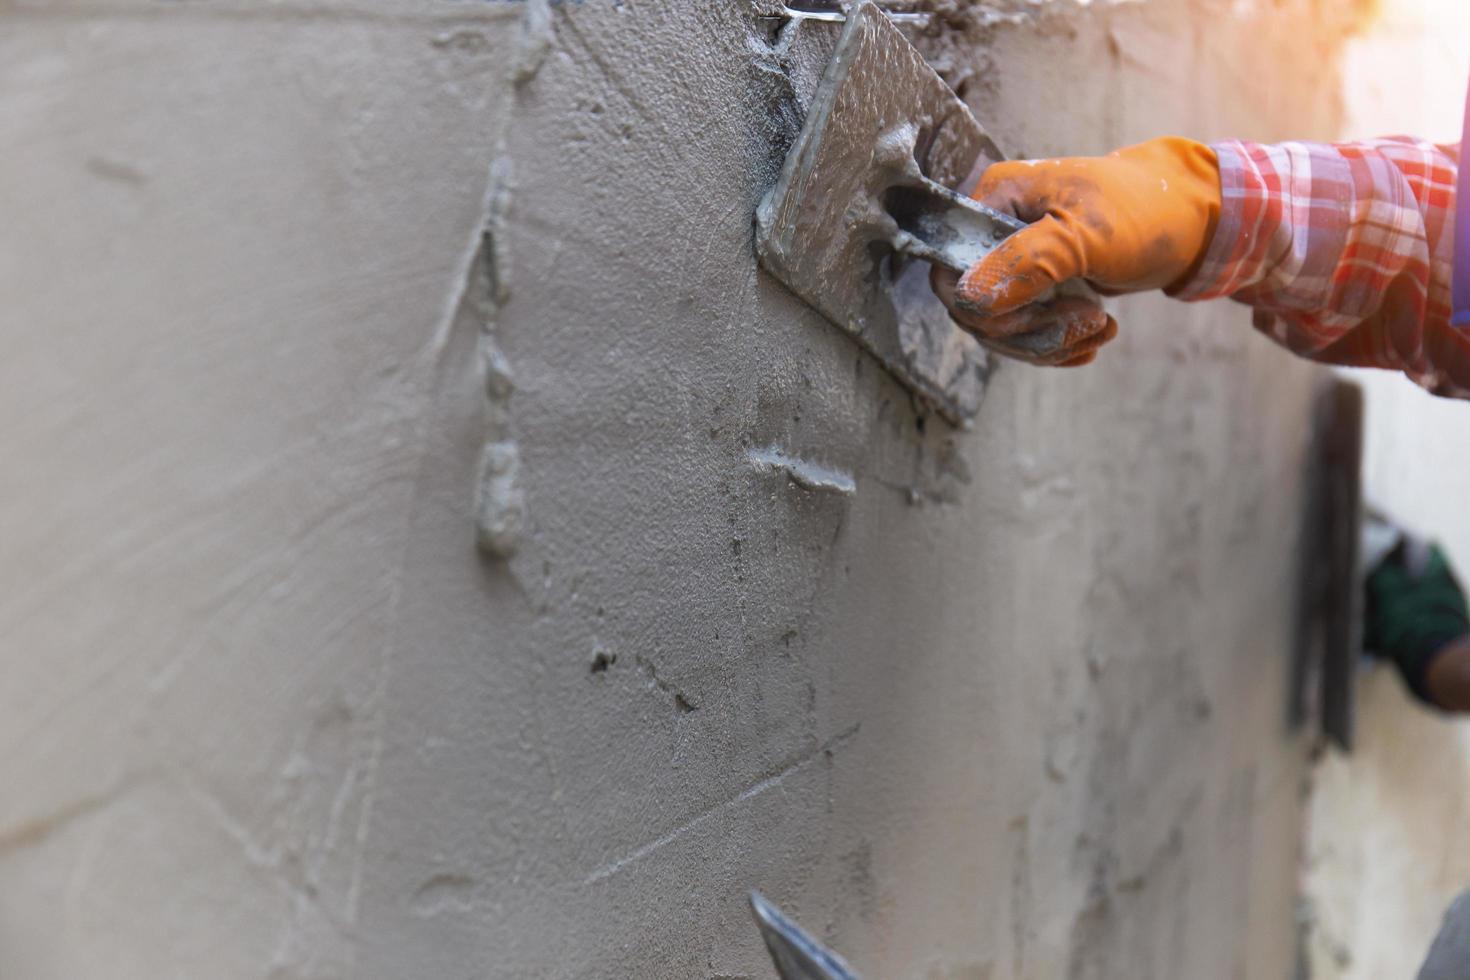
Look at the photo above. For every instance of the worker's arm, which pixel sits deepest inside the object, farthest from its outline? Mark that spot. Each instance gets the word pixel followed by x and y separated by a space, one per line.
pixel 1344 250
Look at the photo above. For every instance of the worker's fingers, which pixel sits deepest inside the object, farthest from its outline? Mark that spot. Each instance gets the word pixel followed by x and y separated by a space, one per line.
pixel 1062 358
pixel 1071 355
pixel 1045 334
pixel 1085 352
pixel 1066 321
pixel 1021 270
pixel 1030 189
pixel 1067 331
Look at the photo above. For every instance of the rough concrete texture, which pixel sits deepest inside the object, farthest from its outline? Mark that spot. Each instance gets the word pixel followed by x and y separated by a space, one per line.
pixel 1012 707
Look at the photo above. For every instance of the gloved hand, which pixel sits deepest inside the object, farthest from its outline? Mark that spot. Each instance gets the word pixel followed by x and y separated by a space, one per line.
pixel 1140 218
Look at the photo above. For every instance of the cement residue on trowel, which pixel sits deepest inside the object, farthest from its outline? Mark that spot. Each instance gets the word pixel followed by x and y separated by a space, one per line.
pixel 881 117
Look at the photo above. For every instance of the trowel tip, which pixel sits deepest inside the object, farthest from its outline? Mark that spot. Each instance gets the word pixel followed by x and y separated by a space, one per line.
pixel 797 955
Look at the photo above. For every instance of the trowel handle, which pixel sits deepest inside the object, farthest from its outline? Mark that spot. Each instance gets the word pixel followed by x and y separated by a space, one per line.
pixel 948 229
pixel 954 231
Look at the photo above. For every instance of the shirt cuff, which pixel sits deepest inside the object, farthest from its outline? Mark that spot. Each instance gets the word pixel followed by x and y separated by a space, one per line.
pixel 1222 271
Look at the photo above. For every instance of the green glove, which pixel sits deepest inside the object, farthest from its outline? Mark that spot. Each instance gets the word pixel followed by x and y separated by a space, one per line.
pixel 1415 608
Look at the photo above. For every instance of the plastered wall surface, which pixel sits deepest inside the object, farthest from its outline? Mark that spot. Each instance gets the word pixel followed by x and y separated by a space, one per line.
pixel 300 298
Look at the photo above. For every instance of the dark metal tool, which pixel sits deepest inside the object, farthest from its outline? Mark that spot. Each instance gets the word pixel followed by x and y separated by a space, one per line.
pixel 866 190
pixel 1330 624
pixel 797 955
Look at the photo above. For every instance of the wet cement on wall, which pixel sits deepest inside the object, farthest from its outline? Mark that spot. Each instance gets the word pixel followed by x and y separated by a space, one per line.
pixel 287 289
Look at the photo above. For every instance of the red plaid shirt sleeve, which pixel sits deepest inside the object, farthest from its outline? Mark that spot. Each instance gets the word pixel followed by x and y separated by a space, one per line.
pixel 1345 251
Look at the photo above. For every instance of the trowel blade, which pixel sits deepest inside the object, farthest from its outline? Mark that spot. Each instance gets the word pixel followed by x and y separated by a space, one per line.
pixel 824 231
pixel 797 955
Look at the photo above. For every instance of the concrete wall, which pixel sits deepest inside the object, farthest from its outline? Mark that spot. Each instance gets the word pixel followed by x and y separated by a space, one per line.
pixel 1013 708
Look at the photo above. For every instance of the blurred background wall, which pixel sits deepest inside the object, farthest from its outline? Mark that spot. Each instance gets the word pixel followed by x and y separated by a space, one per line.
pixel 1387 853
pixel 298 298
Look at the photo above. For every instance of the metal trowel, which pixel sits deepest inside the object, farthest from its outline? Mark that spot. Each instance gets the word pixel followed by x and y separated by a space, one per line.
pixel 866 191
pixel 796 954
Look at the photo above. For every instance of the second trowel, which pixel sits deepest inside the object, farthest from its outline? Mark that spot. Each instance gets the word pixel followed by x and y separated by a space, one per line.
pixel 866 190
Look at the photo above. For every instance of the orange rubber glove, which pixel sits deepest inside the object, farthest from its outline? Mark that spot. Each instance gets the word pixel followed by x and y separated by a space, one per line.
pixel 1139 218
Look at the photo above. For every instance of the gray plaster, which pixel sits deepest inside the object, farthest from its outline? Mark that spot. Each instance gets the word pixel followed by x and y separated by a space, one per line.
pixel 805 474
pixel 1013 707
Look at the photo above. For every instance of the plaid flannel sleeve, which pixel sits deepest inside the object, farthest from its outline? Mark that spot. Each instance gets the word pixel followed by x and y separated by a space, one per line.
pixel 1345 251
